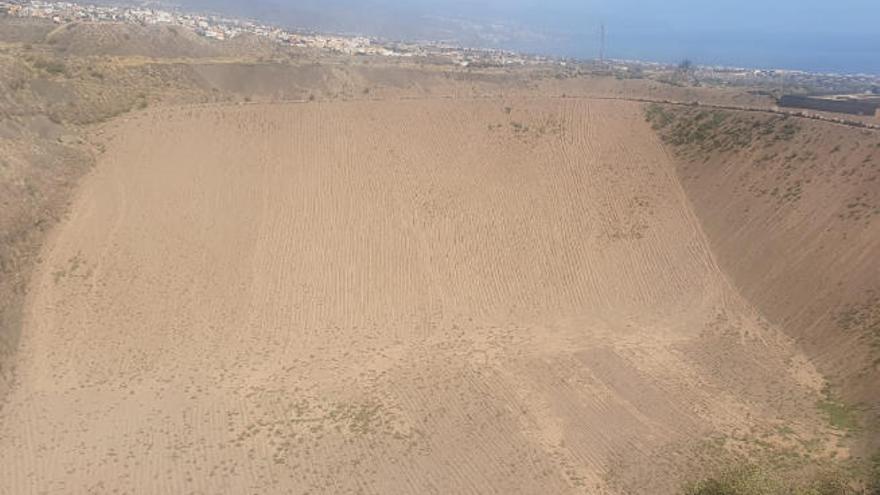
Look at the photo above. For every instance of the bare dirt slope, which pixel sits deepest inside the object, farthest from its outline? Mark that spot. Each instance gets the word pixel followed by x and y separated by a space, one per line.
pixel 791 209
pixel 390 297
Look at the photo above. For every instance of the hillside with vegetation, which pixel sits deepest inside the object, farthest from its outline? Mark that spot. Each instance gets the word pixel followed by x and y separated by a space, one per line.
pixel 792 209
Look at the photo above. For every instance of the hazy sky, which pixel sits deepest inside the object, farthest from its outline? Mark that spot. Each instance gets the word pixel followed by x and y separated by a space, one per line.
pixel 818 35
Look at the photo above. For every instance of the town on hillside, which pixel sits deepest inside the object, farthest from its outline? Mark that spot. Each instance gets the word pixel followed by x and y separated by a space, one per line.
pixel 843 93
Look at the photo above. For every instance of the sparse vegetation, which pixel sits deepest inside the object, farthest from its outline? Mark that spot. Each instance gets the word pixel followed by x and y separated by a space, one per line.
pixel 840 416
pixel 53 67
pixel 523 131
pixel 787 131
pixel 657 115
pixel 696 129
pixel 751 479
pixel 519 127
pixel 873 477
pixel 739 480
pixel 863 320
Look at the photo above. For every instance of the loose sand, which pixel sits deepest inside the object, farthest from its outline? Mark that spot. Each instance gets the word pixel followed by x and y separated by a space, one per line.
pixel 494 296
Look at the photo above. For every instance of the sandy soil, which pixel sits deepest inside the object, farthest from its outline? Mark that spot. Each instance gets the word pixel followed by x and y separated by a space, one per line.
pixel 795 223
pixel 493 296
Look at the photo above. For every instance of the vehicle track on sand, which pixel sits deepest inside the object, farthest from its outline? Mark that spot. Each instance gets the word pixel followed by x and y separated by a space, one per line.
pixel 493 296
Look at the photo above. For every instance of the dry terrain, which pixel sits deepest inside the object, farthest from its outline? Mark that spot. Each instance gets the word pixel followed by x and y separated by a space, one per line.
pixel 791 207
pixel 239 269
pixel 400 296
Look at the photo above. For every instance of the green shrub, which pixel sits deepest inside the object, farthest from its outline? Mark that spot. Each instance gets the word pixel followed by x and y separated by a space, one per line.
pixel 657 116
pixel 740 480
pixel 840 416
pixel 53 67
pixel 873 481
pixel 750 479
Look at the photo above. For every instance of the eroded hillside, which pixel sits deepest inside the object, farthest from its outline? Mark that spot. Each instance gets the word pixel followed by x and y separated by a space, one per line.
pixel 792 210
pixel 290 271
pixel 434 295
pixel 59 84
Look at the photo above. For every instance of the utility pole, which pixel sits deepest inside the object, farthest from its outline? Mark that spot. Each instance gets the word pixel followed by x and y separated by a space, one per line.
pixel 602 42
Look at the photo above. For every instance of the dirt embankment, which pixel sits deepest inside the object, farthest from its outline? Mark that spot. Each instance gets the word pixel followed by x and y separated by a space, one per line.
pixel 431 295
pixel 57 82
pixel 51 92
pixel 792 209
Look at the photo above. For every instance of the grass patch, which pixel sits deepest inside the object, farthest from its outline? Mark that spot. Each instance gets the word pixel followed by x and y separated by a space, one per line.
pixel 840 416
pixel 53 67
pixel 787 131
pixel 657 116
pixel 873 482
pixel 706 130
pixel 863 319
pixel 751 479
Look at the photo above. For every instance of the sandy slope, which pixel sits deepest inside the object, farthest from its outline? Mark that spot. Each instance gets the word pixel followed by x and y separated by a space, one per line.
pixel 794 223
pixel 388 297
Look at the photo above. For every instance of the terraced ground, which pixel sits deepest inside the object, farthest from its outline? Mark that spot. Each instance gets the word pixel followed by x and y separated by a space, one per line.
pixel 421 296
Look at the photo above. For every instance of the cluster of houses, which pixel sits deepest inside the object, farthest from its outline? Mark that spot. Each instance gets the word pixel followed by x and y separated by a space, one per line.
pixel 221 28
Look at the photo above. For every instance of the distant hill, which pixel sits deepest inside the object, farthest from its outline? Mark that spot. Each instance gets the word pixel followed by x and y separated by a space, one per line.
pixel 85 39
